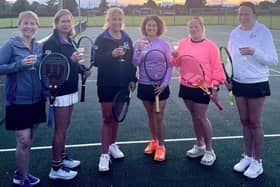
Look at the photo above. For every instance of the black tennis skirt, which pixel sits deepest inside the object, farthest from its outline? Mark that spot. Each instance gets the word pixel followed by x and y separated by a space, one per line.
pixel 251 90
pixel 20 117
pixel 146 93
pixel 196 95
pixel 107 93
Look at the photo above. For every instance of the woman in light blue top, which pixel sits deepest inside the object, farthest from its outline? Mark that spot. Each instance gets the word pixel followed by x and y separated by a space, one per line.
pixel 25 103
pixel 152 28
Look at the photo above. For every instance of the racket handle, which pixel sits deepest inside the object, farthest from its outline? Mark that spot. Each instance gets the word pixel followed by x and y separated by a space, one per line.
pixel 231 98
pixel 83 93
pixel 157 103
pixel 50 117
pixel 220 107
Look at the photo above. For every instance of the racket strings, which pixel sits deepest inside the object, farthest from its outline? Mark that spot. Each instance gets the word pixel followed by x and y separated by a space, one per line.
pixel 156 65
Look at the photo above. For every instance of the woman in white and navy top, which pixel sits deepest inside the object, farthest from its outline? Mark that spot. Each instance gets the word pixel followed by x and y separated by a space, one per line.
pixel 251 54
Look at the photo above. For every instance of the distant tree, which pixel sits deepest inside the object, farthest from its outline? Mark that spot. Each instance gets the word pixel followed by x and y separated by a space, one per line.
pixel 52 2
pixel 4 7
pixel 35 7
pixel 277 3
pixel 150 4
pixel 103 5
pixel 70 5
pixel 265 4
pixel 20 5
pixel 195 3
pixel 52 6
pixel 3 4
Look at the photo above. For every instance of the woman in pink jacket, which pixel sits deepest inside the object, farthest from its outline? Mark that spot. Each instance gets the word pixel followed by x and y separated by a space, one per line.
pixel 195 99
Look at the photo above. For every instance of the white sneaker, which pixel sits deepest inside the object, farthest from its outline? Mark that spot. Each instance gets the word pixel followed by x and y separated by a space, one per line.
pixel 243 164
pixel 104 162
pixel 62 173
pixel 254 170
pixel 115 151
pixel 208 158
pixel 70 163
pixel 196 151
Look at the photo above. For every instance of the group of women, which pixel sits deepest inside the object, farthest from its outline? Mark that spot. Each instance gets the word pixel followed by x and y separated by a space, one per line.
pixel 25 98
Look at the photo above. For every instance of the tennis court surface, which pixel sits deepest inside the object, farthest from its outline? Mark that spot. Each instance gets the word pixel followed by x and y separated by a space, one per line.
pixel 137 169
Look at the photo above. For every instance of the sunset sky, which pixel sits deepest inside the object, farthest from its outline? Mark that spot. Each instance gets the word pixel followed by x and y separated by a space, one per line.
pixel 96 2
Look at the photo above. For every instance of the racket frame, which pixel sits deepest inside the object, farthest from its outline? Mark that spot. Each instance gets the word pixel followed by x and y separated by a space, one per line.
pixel 228 77
pixel 53 87
pixel 126 104
pixel 157 100
pixel 202 84
pixel 83 77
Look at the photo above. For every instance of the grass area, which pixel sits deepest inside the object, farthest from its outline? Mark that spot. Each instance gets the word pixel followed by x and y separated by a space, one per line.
pixel 272 22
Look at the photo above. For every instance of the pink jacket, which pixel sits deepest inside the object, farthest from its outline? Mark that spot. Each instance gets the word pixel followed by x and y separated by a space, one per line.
pixel 207 53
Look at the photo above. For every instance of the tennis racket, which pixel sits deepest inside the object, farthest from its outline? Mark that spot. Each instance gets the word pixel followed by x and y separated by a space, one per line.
pixel 155 66
pixel 86 44
pixel 193 74
pixel 53 72
pixel 228 69
pixel 2 99
pixel 120 104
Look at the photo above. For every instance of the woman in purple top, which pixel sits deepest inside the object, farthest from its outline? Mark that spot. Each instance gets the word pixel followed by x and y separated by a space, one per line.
pixel 152 28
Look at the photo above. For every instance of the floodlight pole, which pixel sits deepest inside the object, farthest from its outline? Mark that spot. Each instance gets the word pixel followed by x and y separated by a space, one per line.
pixel 79 14
pixel 174 12
pixel 60 4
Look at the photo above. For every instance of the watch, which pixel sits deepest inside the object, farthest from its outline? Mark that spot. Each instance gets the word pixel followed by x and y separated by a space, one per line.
pixel 216 88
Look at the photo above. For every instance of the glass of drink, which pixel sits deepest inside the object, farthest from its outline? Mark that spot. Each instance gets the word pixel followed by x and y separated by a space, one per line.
pixel 34 60
pixel 81 51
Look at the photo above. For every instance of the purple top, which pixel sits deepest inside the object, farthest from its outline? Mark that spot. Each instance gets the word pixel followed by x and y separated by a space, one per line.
pixel 138 57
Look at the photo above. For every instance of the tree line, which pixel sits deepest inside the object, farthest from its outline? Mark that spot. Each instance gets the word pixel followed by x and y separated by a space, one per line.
pixel 9 9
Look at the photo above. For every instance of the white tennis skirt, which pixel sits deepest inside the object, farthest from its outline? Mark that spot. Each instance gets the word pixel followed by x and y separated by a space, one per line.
pixel 66 100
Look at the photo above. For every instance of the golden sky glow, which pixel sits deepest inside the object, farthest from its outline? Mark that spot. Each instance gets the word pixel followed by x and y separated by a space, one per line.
pixel 183 1
pixel 157 1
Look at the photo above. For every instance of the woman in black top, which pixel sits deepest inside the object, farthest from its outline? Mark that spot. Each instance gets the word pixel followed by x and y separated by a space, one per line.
pixel 115 72
pixel 67 96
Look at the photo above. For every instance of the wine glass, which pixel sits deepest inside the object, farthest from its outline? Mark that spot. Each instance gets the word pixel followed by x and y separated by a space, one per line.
pixel 34 57
pixel 124 47
pixel 121 57
pixel 81 51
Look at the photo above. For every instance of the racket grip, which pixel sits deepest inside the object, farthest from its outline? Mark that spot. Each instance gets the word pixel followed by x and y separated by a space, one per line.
pixel 50 117
pixel 157 103
pixel 83 93
pixel 231 98
pixel 220 107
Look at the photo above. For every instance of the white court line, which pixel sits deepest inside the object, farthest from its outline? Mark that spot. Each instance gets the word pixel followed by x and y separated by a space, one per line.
pixel 140 142
pixel 274 70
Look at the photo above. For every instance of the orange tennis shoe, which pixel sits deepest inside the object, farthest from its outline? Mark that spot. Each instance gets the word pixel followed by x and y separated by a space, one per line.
pixel 160 153
pixel 151 147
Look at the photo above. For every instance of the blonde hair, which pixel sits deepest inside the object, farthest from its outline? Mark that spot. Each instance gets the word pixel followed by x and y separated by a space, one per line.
pixel 28 15
pixel 200 21
pixel 61 13
pixel 109 14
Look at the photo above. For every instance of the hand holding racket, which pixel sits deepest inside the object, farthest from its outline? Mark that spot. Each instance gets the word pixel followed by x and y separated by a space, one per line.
pixel 228 70
pixel 193 74
pixel 53 72
pixel 85 44
pixel 155 66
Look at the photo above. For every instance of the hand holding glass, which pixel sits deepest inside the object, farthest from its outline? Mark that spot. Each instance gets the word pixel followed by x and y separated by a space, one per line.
pixel 142 44
pixel 81 51
pixel 122 53
pixel 32 59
